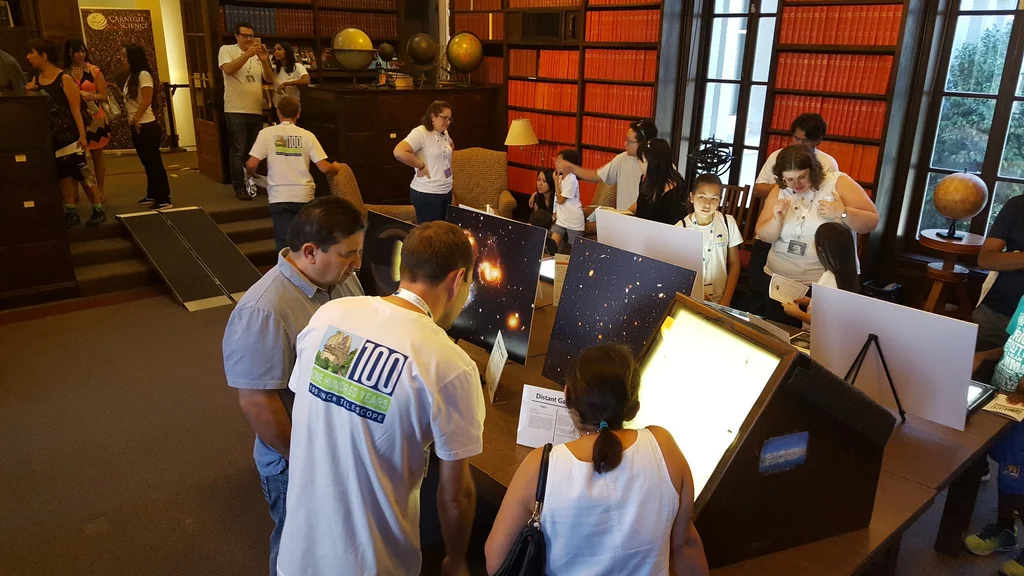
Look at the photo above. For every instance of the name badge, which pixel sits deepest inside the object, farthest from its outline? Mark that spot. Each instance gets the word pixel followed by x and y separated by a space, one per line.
pixel 709 291
pixel 447 172
pixel 797 248
pixel 250 78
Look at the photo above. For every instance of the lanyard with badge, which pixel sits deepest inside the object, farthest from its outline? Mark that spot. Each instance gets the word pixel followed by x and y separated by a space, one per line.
pixel 249 76
pixel 415 300
pixel 796 247
pixel 709 288
pixel 445 148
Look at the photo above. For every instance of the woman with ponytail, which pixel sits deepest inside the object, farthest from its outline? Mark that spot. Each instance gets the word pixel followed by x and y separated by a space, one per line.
pixel 619 500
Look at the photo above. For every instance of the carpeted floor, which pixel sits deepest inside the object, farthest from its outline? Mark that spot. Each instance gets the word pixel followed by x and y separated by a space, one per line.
pixel 124 452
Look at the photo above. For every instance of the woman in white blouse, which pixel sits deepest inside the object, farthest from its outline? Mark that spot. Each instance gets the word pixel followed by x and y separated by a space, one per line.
pixel 140 96
pixel 428 150
pixel 288 74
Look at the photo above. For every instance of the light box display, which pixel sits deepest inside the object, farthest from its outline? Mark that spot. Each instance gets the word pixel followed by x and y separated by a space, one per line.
pixel 382 253
pixel 782 451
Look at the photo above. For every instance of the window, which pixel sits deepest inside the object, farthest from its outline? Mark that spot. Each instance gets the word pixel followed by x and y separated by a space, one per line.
pixel 976 120
pixel 735 83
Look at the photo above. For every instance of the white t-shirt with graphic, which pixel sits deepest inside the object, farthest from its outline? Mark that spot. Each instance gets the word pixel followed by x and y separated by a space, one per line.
pixel 132 104
pixel 625 173
pixel 243 90
pixel 434 150
pixel 719 236
pixel 1010 368
pixel 569 214
pixel 282 76
pixel 288 150
pixel 374 385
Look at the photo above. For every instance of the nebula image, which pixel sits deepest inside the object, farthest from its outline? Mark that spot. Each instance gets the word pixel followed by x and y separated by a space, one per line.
pixel 504 281
pixel 610 296
pixel 382 254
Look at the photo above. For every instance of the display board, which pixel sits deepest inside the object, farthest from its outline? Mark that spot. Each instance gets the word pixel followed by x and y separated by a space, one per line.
pixel 677 245
pixel 382 253
pixel 504 281
pixel 610 295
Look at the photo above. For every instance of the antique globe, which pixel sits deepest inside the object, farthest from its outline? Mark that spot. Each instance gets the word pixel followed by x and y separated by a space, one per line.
pixel 960 197
pixel 386 52
pixel 465 52
pixel 421 49
pixel 352 49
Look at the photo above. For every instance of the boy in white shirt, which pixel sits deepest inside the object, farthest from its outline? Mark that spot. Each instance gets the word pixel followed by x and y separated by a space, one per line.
pixel 288 150
pixel 722 239
pixel 568 210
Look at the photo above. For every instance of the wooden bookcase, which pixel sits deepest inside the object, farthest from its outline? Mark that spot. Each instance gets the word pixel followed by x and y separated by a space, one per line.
pixel 319 19
pixel 850 82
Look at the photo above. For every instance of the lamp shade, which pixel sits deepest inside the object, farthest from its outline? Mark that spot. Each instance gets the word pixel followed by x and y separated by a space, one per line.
pixel 521 133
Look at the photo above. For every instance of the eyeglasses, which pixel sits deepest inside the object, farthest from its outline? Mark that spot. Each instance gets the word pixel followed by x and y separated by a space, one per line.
pixel 446 119
pixel 249 36
pixel 628 141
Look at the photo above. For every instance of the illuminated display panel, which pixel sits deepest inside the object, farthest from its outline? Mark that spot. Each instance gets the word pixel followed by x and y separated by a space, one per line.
pixel 699 381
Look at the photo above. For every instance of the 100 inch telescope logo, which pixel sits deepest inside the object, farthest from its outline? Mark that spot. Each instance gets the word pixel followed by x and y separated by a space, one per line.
pixel 356 374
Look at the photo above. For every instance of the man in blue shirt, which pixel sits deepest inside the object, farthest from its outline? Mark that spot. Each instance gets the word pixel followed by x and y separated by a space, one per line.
pixel 1002 252
pixel 325 246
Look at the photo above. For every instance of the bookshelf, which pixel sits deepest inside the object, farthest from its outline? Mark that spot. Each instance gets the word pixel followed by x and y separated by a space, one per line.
pixel 839 59
pixel 309 26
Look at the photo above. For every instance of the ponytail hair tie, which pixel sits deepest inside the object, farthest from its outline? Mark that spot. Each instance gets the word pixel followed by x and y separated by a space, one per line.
pixel 602 426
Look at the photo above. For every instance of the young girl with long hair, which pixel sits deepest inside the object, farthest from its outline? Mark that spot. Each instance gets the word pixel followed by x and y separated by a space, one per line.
pixel 837 253
pixel 288 74
pixel 140 96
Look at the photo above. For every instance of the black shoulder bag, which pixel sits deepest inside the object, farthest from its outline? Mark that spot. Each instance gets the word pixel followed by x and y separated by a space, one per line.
pixel 528 556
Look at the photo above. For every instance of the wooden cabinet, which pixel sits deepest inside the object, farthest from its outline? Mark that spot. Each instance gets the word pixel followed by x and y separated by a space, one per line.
pixel 361 127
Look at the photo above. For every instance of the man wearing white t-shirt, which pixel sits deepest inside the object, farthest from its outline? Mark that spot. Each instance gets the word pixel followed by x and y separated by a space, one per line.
pixel 624 170
pixel 376 381
pixel 246 65
pixel 288 150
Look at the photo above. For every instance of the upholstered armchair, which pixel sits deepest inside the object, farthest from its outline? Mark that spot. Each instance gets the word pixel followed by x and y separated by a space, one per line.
pixel 479 178
pixel 605 195
pixel 344 184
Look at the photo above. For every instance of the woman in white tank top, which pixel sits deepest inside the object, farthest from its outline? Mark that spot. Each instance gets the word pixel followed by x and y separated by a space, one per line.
pixel 618 501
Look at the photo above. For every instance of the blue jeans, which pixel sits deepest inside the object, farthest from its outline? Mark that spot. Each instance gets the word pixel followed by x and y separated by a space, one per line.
pixel 275 489
pixel 242 132
pixel 282 214
pixel 429 207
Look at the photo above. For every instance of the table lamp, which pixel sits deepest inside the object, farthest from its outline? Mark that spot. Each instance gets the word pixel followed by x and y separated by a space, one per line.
pixel 521 134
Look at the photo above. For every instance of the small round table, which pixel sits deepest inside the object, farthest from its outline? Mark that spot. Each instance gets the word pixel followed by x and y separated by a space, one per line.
pixel 948 271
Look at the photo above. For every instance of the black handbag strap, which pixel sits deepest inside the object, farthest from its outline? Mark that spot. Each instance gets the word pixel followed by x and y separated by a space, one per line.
pixel 542 482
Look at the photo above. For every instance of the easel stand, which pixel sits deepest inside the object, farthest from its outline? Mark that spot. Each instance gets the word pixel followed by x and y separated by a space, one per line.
pixel 854 371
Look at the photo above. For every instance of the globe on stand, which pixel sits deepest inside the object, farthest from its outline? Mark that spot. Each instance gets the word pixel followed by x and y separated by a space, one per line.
pixel 959 197
pixel 422 50
pixel 352 50
pixel 465 52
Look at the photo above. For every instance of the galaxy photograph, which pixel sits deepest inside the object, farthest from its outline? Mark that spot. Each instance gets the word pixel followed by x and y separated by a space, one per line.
pixel 382 254
pixel 610 296
pixel 504 281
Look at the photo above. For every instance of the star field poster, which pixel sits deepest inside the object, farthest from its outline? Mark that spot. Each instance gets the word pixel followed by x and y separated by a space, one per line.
pixel 504 282
pixel 382 253
pixel 610 296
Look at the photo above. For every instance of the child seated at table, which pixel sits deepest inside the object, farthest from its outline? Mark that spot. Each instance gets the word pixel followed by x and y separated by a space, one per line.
pixel 542 219
pixel 837 253
pixel 1008 452
pixel 722 239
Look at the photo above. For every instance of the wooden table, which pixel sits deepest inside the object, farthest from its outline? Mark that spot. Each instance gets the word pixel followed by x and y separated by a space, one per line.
pixel 949 273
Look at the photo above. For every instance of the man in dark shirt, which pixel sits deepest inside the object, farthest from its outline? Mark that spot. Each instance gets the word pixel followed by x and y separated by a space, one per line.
pixel 12 77
pixel 1001 253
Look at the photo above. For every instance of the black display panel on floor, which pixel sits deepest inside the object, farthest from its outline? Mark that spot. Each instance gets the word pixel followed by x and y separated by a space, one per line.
pixel 782 451
pixel 184 274
pixel 212 246
pixel 382 253
pixel 610 295
pixel 504 281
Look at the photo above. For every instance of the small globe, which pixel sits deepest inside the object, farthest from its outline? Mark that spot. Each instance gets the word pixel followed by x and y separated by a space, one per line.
pixel 960 196
pixel 421 49
pixel 386 52
pixel 352 49
pixel 465 52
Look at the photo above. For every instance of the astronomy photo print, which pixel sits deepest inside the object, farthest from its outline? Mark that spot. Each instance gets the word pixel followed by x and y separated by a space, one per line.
pixel 382 254
pixel 610 296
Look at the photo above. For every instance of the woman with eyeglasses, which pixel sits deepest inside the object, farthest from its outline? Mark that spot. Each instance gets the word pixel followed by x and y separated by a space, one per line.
pixel 428 150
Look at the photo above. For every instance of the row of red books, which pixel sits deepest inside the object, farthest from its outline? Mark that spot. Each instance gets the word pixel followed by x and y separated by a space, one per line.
pixel 845 116
pixel 491 71
pixel 858 74
pixel 522 62
pixel 485 26
pixel 622 100
pixel 858 161
pixel 358 4
pixel 560 129
pixel 870 25
pixel 624 26
pixel 542 3
pixel 375 25
pixel 604 132
pixel 597 158
pixel 478 4
pixel 545 96
pixel 559 64
pixel 540 155
pixel 587 190
pixel 633 65
pixel 522 180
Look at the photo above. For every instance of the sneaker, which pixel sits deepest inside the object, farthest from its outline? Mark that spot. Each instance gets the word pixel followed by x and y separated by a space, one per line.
pixel 1013 567
pixel 157 205
pixel 145 200
pixel 992 538
pixel 98 217
pixel 71 218
pixel 243 196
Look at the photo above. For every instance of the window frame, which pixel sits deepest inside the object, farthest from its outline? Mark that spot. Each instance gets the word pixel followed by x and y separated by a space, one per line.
pixel 1004 98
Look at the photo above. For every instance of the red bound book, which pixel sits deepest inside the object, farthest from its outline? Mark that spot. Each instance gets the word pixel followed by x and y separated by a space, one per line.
pixel 787 22
pixel 828 111
pixel 870 75
pixel 884 70
pixel 806 26
pixel 858 73
pixel 859 25
pixel 885 25
pixel 855 165
pixel 845 27
pixel 823 62
pixel 847 73
pixel 880 122
pixel 831 24
pixel 805 71
pixel 864 119
pixel 872 35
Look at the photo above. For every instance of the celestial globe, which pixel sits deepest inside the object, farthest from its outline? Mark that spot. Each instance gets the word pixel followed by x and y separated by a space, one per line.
pixel 421 49
pixel 465 52
pixel 352 49
pixel 960 196
pixel 386 52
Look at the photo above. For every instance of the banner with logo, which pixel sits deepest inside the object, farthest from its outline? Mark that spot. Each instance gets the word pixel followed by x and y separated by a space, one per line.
pixel 107 32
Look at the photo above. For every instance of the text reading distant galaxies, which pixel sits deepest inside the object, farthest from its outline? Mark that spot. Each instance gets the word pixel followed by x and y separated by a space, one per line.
pixel 504 280
pixel 610 295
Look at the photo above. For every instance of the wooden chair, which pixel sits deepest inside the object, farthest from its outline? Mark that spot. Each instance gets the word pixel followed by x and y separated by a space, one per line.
pixel 344 185
pixel 734 202
pixel 605 195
